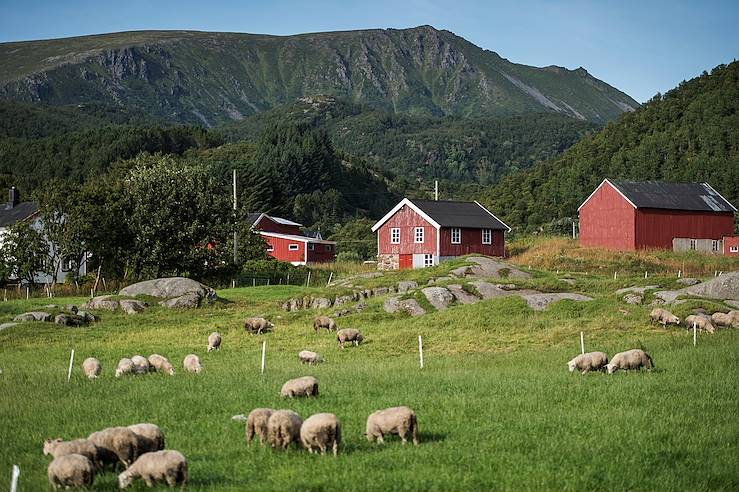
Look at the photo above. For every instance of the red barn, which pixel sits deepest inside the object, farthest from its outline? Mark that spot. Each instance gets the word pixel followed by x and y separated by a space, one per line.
pixel 421 233
pixel 731 245
pixel 285 242
pixel 629 215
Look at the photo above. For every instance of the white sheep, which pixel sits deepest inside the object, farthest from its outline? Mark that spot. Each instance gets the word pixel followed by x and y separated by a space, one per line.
pixel 308 357
pixel 324 322
pixel 85 447
pixel 120 441
pixel 214 341
pixel 140 364
pixel 125 366
pixel 159 363
pixel 257 325
pixel 151 437
pixel 663 316
pixel 283 428
pixel 71 470
pixel 349 335
pixel 592 361
pixel 192 363
pixel 159 466
pixel 256 423
pixel 631 359
pixel 304 386
pixel 92 367
pixel 701 322
pixel 321 431
pixel 395 420
pixel 726 319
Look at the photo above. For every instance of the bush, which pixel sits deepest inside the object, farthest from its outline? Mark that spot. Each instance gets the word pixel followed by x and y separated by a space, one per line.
pixel 270 267
pixel 349 256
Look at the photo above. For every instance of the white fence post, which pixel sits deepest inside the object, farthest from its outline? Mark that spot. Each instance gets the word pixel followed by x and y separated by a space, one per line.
pixel 71 362
pixel 695 334
pixel 264 354
pixel 28 294
pixel 582 342
pixel 14 479
pixel 331 275
pixel 420 350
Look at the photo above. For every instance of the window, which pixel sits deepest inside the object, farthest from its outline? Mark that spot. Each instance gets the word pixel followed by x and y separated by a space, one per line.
pixel 395 235
pixel 67 264
pixel 293 247
pixel 714 245
pixel 311 247
pixel 428 261
pixel 693 244
pixel 328 247
pixel 456 235
pixel 270 248
pixel 734 249
pixel 487 236
pixel 419 234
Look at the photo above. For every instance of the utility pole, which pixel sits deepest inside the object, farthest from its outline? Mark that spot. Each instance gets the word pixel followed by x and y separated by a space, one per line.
pixel 236 234
pixel 436 190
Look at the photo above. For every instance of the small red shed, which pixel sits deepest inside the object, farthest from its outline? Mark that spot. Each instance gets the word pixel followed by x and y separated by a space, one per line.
pixel 286 243
pixel 731 245
pixel 421 233
pixel 631 215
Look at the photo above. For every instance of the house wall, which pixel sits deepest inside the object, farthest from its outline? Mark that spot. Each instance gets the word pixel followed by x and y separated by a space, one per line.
pixel 607 220
pixel 282 252
pixel 471 243
pixel 320 255
pixel 407 220
pixel 656 228
pixel 713 246
pixel 731 242
pixel 269 225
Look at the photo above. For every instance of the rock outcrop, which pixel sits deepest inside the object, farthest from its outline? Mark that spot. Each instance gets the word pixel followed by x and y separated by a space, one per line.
pixel 439 297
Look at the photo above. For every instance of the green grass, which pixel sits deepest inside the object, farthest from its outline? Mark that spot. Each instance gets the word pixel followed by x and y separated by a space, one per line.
pixel 496 406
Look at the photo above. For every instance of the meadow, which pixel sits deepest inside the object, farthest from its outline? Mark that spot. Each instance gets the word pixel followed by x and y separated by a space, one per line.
pixel 497 408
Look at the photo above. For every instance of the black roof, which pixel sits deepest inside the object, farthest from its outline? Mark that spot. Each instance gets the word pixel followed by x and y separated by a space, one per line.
pixel 699 197
pixel 23 210
pixel 459 214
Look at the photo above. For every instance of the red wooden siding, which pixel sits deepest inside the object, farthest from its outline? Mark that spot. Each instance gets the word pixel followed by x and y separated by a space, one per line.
pixel 269 225
pixel 729 242
pixel 607 220
pixel 281 249
pixel 407 220
pixel 320 255
pixel 405 262
pixel 471 243
pixel 657 228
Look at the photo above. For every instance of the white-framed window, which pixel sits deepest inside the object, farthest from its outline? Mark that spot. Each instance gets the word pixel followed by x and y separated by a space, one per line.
pixel 329 247
pixel 311 247
pixel 270 248
pixel 456 235
pixel 293 247
pixel 734 249
pixel 714 245
pixel 428 261
pixel 693 244
pixel 395 235
pixel 419 235
pixel 487 236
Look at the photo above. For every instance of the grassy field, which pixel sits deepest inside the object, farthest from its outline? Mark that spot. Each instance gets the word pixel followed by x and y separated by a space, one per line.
pixel 496 406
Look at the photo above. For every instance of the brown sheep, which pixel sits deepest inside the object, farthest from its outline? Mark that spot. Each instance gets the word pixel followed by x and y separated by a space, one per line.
pixel 324 322
pixel 258 325
pixel 349 335
pixel 283 428
pixel 256 423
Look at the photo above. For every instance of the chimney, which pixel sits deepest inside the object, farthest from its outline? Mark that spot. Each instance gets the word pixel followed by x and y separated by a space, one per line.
pixel 15 197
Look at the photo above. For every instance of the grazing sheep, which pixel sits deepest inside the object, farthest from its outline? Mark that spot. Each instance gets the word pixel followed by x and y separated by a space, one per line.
pixel 120 441
pixel 159 363
pixel 151 437
pixel 321 431
pixel 349 335
pixel 125 366
pixel 730 319
pixel 305 386
pixel 192 363
pixel 71 470
pixel 631 359
pixel 592 361
pixel 214 341
pixel 256 423
pixel 92 367
pixel 396 420
pixel 140 364
pixel 257 325
pixel 703 323
pixel 283 428
pixel 308 357
pixel 663 316
pixel 324 322
pixel 160 466
pixel 85 447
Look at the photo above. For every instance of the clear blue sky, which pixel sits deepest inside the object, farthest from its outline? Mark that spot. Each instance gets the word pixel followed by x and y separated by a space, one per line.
pixel 641 47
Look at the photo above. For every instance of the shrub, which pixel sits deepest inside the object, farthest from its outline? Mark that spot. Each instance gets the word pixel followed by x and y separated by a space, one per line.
pixel 349 256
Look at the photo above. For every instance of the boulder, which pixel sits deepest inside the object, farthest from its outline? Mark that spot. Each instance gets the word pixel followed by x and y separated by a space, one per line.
pixel 132 306
pixel 730 303
pixel 688 281
pixel 633 299
pixel 341 300
pixel 666 296
pixel 171 287
pixel 439 297
pixel 460 272
pixel 88 317
pixel 406 285
pixel 190 300
pixel 69 320
pixel 489 291
pixel 461 295
pixel 320 303
pixel 636 290
pixel 34 316
pixel 380 291
pixel 70 308
pixel 540 302
pixel 101 302
pixel 7 325
pixel 725 286
pixel 490 267
pixel 410 306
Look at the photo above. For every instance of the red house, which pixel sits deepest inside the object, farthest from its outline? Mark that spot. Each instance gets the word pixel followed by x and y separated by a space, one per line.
pixel 285 242
pixel 731 245
pixel 629 215
pixel 421 233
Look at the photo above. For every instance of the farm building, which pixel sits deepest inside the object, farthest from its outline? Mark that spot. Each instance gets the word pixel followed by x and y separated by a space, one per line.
pixel 421 233
pixel 629 215
pixel 731 245
pixel 285 242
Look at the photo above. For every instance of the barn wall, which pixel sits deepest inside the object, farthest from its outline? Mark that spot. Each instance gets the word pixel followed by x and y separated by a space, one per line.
pixel 320 255
pixel 407 220
pixel 281 249
pixel 471 243
pixel 607 220
pixel 269 225
pixel 731 242
pixel 656 228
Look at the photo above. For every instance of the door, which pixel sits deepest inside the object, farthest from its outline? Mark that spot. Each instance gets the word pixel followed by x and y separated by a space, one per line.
pixel 406 261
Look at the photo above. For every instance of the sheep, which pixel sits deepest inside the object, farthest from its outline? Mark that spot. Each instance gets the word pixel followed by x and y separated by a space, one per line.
pixel 159 466
pixel 631 359
pixel 159 363
pixel 125 366
pixel 256 423
pixel 91 366
pixel 726 319
pixel 349 335
pixel 140 364
pixel 396 420
pixel 257 325
pixel 192 363
pixel 324 322
pixel 119 441
pixel 663 316
pixel 308 357
pixel 214 341
pixel 85 447
pixel 151 437
pixel 71 470
pixel 703 323
pixel 283 428
pixel 592 361
pixel 305 386
pixel 321 431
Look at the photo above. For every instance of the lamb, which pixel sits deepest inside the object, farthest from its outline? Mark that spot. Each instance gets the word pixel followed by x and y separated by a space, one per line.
pixel 631 359
pixel 283 428
pixel 349 335
pixel 159 363
pixel 214 341
pixel 308 357
pixel 125 366
pixel 91 366
pixel 305 386
pixel 160 466
pixel 257 325
pixel 703 323
pixel 140 364
pixel 324 322
pixel 396 420
pixel 256 423
pixel 592 361
pixel 71 470
pixel 119 441
pixel 84 447
pixel 321 431
pixel 192 363
pixel 726 319
pixel 663 316
pixel 151 437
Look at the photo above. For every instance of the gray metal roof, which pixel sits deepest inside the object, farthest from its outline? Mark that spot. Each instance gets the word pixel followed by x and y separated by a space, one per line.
pixel 699 197
pixel 22 211
pixel 459 214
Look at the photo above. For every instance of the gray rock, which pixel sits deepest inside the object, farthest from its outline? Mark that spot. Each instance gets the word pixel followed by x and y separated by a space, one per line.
pixel 70 308
pixel 507 286
pixel 101 302
pixel 34 316
pixel 341 300
pixel 171 287
pixel 460 272
pixel 688 281
pixel 320 303
pixel 132 306
pixel 667 296
pixel 540 302
pixel 461 295
pixel 186 301
pixel 406 285
pixel 490 267
pixel 239 418
pixel 410 306
pixel 636 290
pixel 88 317
pixel 725 286
pixel 380 291
pixel 489 291
pixel 633 299
pixel 439 297
pixel 296 304
pixel 568 281
pixel 7 325
pixel 731 303
pixel 69 320
pixel 370 275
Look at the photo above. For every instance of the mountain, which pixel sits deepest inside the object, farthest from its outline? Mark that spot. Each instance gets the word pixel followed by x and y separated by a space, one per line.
pixel 691 133
pixel 209 78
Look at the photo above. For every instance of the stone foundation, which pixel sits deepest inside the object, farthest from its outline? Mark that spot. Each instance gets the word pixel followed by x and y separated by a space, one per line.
pixel 388 262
